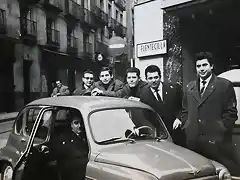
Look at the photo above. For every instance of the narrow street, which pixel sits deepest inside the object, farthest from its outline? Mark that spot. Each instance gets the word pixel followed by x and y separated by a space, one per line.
pixel 5 129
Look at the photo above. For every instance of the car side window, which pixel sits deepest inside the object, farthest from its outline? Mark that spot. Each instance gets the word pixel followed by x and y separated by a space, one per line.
pixel 44 127
pixel 19 122
pixel 23 122
pixel 30 118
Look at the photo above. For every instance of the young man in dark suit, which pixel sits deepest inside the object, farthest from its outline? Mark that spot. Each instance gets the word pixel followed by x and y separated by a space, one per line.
pixel 209 114
pixel 165 99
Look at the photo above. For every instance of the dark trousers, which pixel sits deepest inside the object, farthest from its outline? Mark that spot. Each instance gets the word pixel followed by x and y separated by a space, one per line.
pixel 72 169
pixel 224 152
pixel 178 136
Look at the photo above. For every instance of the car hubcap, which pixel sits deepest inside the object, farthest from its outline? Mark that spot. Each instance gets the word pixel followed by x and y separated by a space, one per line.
pixel 7 175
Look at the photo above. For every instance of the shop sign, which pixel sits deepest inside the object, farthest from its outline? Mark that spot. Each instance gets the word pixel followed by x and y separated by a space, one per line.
pixel 152 48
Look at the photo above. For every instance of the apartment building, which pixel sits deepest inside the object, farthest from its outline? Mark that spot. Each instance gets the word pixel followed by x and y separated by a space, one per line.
pixel 47 40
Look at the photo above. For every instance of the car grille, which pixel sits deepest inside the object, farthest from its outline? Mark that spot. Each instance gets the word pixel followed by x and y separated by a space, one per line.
pixel 215 177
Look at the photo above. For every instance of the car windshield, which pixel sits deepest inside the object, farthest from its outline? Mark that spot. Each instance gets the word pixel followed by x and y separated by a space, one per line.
pixel 116 125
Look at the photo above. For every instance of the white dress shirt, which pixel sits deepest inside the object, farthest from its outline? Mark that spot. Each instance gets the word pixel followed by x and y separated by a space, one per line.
pixel 206 84
pixel 160 91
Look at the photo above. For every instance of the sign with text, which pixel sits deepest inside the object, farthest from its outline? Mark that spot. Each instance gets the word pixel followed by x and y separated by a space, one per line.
pixel 152 48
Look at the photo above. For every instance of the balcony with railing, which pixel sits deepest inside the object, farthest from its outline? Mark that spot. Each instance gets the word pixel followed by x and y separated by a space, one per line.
pixel 72 45
pixel 73 9
pixel 54 5
pixel 120 30
pixel 121 4
pixel 29 31
pixel 101 46
pixel 88 50
pixel 101 16
pixel 87 18
pixel 112 23
pixel 53 38
pixel 3 22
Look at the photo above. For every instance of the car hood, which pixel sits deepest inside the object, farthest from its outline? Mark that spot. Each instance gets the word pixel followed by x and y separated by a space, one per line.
pixel 164 160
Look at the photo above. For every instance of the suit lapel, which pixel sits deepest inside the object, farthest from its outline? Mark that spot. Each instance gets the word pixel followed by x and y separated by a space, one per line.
pixel 164 91
pixel 209 89
pixel 195 91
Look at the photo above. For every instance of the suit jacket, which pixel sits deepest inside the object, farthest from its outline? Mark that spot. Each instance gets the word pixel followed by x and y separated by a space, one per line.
pixel 211 116
pixel 170 107
pixel 115 85
pixel 126 92
pixel 64 91
pixel 81 91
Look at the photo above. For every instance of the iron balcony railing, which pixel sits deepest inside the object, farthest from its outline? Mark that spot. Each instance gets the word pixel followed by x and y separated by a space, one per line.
pixel 72 44
pixel 89 49
pixel 121 4
pixel 53 37
pixel 3 21
pixel 56 3
pixel 86 49
pixel 120 29
pixel 75 9
pixel 87 16
pixel 112 23
pixel 100 14
pixel 101 46
pixel 29 27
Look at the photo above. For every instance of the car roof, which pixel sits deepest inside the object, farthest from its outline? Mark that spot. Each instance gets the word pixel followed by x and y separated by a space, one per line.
pixel 88 102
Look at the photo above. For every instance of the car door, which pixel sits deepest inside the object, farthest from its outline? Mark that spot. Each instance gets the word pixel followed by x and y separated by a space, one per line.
pixel 36 154
pixel 18 139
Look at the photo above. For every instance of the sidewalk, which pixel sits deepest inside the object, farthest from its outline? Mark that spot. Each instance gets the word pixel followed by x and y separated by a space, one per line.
pixel 4 117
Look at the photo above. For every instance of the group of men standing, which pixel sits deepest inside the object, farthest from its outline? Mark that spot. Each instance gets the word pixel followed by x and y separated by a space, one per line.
pixel 201 118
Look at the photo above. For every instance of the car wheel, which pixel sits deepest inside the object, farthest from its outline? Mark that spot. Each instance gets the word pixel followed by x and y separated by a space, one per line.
pixel 6 172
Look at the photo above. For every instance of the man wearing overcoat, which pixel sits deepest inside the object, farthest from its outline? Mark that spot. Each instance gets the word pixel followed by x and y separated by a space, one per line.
pixel 209 114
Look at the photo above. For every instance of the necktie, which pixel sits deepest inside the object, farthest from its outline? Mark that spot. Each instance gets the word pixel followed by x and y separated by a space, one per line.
pixel 158 95
pixel 203 87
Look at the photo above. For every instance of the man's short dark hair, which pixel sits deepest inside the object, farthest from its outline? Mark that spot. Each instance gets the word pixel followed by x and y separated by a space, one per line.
pixel 106 69
pixel 133 70
pixel 89 72
pixel 205 55
pixel 151 69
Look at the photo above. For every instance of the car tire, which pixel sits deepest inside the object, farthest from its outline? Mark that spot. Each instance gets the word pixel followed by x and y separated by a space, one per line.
pixel 6 172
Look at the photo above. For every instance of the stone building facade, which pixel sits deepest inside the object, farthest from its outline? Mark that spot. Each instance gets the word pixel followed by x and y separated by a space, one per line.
pixel 47 40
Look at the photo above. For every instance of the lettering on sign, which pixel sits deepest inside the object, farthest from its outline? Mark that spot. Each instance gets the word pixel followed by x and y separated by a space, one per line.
pixel 152 48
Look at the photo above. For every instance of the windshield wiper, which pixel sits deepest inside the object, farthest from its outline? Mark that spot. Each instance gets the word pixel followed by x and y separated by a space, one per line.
pixel 116 139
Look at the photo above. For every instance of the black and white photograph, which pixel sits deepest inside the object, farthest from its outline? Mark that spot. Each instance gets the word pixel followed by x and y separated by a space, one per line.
pixel 120 89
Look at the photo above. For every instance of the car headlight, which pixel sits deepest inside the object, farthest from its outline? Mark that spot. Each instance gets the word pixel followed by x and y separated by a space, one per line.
pixel 224 175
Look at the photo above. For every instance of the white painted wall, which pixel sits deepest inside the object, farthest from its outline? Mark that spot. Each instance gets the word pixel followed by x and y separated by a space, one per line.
pixel 148 27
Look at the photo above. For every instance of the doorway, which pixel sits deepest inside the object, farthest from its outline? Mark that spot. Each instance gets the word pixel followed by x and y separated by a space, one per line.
pixel 209 26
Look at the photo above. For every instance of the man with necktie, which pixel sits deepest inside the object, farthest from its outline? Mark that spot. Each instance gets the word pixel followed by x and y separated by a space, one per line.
pixel 165 99
pixel 209 114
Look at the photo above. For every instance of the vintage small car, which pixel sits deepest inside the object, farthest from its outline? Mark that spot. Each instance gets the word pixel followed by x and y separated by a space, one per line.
pixel 125 140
